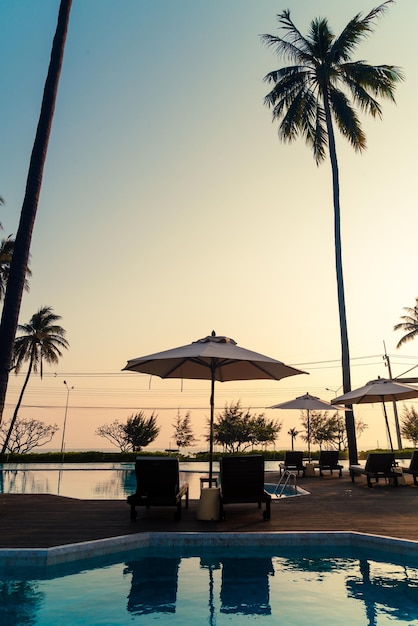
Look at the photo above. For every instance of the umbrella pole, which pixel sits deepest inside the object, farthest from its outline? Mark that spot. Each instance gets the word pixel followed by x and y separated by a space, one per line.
pixel 387 424
pixel 212 408
pixel 309 438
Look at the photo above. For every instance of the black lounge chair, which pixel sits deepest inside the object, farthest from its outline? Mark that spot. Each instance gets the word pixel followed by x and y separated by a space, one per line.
pixel 413 467
pixel 378 465
pixel 242 480
pixel 158 484
pixel 328 460
pixel 293 462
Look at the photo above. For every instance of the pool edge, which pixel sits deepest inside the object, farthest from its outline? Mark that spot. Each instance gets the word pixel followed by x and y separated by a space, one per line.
pixel 43 557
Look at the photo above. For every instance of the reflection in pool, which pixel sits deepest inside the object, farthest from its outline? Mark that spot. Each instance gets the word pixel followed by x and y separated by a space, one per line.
pixel 235 585
pixel 95 481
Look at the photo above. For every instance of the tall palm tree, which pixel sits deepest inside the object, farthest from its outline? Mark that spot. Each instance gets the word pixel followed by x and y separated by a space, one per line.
pixel 311 96
pixel 6 254
pixel 409 324
pixel 19 264
pixel 42 341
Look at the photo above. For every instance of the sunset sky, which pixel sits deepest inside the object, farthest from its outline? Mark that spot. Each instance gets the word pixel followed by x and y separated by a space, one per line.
pixel 169 208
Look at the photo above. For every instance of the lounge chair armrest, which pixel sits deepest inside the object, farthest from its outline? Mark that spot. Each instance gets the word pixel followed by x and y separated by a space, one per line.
pixel 184 491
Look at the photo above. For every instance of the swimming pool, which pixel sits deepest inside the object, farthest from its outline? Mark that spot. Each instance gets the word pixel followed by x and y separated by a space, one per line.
pixel 181 579
pixel 90 481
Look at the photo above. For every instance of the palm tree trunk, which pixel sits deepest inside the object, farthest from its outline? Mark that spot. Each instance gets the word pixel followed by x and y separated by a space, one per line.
pixel 16 411
pixel 345 352
pixel 16 280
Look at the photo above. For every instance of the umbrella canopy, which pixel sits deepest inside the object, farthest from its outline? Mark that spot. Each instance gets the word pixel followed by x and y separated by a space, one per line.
pixel 214 358
pixel 306 403
pixel 379 390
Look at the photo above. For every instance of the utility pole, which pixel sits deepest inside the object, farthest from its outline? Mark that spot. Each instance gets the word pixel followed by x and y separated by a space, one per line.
pixel 395 408
pixel 65 421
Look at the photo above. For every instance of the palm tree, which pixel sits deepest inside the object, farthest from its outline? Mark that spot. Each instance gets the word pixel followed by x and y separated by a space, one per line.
pixel 19 264
pixel 312 95
pixel 293 434
pixel 409 324
pixel 42 341
pixel 6 254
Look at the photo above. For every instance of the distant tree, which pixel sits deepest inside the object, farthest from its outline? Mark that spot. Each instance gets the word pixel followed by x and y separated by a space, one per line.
pixel 321 427
pixel 409 428
pixel 409 324
pixel 264 431
pixel 183 434
pixel 42 340
pixel 27 434
pixel 339 440
pixel 115 433
pixel 328 430
pixel 138 432
pixel 237 429
pixel 293 435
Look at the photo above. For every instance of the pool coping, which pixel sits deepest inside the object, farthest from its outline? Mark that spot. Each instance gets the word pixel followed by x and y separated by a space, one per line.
pixel 70 553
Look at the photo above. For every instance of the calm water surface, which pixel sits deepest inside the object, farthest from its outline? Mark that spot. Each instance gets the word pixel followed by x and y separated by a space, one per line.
pixel 93 481
pixel 238 586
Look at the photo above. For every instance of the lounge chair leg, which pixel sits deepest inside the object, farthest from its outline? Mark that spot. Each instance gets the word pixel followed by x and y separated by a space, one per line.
pixel 134 514
pixel 266 513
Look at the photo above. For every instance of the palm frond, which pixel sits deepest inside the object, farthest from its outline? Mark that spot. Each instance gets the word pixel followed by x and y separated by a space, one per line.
pixel 409 324
pixel 410 334
pixel 357 29
pixel 321 39
pixel 323 69
pixel 320 139
pixel 290 72
pixel 286 88
pixel 362 78
pixel 347 120
pixel 294 36
pixel 286 49
pixel 365 101
pixel 40 340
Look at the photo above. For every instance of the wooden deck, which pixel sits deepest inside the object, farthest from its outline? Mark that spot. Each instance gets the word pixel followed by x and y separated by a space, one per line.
pixel 334 504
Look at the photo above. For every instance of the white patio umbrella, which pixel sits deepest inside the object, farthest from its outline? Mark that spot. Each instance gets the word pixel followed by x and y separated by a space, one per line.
pixel 380 390
pixel 307 403
pixel 214 358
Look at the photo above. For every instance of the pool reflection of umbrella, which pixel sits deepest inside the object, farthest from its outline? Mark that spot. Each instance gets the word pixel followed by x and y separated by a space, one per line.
pixel 212 358
pixel 307 403
pixel 380 390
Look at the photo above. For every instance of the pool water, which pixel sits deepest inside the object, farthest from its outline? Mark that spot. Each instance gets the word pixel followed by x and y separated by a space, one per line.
pixel 290 586
pixel 100 481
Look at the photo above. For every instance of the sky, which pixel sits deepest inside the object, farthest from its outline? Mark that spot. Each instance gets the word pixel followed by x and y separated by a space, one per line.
pixel 169 208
